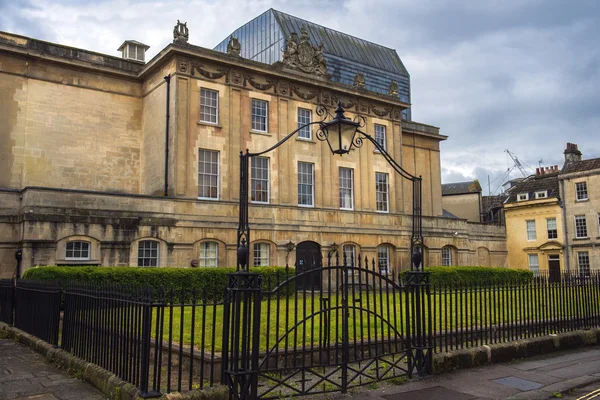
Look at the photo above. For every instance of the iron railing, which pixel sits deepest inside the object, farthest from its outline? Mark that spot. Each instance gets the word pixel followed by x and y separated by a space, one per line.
pixel 37 309
pixel 7 299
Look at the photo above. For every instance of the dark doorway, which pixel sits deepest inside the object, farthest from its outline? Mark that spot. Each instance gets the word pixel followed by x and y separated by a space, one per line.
pixel 554 268
pixel 308 258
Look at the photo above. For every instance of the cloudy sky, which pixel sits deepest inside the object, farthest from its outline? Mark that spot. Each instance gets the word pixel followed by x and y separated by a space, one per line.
pixel 522 75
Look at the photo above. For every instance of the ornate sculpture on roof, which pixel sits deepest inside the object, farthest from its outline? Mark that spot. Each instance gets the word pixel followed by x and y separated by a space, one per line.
pixel 393 89
pixel 300 54
pixel 181 33
pixel 234 47
pixel 359 80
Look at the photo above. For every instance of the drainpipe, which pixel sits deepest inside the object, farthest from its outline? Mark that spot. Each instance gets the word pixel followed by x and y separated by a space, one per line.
pixel 168 80
pixel 565 224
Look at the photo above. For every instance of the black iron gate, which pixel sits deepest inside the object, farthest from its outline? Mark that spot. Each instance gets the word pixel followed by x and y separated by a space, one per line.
pixel 361 327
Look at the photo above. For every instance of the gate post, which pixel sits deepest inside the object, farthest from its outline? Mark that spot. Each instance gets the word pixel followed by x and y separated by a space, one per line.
pixel 241 334
pixel 418 314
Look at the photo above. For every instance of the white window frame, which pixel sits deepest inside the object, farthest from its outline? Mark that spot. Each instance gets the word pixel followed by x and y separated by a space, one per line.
pixel 306 132
pixel 380 136
pixel 261 260
pixel 206 258
pixel 531 233
pixel 446 256
pixel 203 99
pixel 522 196
pixel 382 192
pixel 254 181
pixel 346 189
pixel 80 250
pixel 534 264
pixel 580 222
pixel 142 247
pixel 542 194
pixel 549 229
pixel 383 259
pixel 581 192
pixel 583 262
pixel 302 183
pixel 255 117
pixel 349 250
pixel 209 174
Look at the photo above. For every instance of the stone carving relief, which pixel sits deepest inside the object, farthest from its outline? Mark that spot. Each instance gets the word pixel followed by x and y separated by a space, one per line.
pixel 380 113
pixel 393 89
pixel 359 80
pixel 305 96
pixel 325 99
pixel 363 107
pixel 346 104
pixel 181 33
pixel 397 114
pixel 183 66
pixel 207 74
pixel 258 85
pixel 237 78
pixel 301 55
pixel 284 88
pixel 234 47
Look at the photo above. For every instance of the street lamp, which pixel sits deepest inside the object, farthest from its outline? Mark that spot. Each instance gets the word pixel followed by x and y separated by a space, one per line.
pixel 342 134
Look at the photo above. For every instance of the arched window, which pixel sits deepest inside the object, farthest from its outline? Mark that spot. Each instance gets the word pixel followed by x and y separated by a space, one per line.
pixel 349 251
pixel 383 259
pixel 77 250
pixel 447 256
pixel 209 254
pixel 261 254
pixel 147 253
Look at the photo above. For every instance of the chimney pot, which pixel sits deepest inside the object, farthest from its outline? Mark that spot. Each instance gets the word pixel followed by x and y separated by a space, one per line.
pixel 556 168
pixel 537 171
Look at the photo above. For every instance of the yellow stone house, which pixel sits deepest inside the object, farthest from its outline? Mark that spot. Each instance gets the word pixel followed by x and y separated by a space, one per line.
pixel 110 160
pixel 534 227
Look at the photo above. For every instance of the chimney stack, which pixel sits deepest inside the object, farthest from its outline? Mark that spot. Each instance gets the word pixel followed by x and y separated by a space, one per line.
pixel 572 153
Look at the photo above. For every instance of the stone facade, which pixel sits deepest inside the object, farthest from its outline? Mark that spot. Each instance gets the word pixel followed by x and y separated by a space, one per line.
pixel 83 146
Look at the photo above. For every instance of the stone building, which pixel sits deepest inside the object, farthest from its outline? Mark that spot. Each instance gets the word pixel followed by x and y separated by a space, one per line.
pixel 463 199
pixel 553 218
pixel 117 161
pixel 580 190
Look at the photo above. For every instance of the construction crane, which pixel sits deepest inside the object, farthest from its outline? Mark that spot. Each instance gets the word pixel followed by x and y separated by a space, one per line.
pixel 518 163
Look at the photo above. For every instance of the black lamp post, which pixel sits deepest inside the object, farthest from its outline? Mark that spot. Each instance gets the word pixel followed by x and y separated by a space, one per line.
pixel 342 135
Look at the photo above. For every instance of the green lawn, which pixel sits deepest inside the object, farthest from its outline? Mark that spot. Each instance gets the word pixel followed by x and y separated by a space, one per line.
pixel 449 311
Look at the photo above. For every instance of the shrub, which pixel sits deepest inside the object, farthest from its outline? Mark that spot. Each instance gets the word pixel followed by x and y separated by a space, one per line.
pixel 208 282
pixel 480 275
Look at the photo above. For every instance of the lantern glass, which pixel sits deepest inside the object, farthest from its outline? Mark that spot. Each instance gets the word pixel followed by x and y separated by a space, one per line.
pixel 340 132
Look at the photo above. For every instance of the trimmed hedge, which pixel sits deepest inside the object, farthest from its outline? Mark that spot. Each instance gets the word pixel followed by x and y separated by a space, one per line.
pixel 481 275
pixel 207 281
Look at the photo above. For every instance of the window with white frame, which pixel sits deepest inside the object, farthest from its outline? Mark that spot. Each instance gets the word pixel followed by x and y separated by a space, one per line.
pixel 522 196
pixel 534 265
pixel 583 263
pixel 260 115
pixel 381 191
pixel 531 234
pixel 77 250
pixel 304 117
pixel 147 253
pixel 446 256
pixel 209 106
pixel 542 194
pixel 349 251
pixel 580 226
pixel 581 190
pixel 551 228
pixel 306 184
pixel 383 259
pixel 261 254
pixel 380 135
pixel 208 174
pixel 259 180
pixel 346 188
pixel 209 254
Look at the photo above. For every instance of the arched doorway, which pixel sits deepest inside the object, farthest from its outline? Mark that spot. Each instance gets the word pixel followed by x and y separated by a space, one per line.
pixel 308 257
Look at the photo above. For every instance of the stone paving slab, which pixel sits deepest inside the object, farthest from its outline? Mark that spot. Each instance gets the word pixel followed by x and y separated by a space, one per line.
pixel 25 375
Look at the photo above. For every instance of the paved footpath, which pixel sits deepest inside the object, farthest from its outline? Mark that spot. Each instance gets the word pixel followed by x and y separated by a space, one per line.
pixel 575 372
pixel 24 374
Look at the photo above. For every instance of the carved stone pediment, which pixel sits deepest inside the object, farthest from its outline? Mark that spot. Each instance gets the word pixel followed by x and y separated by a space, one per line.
pixel 301 55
